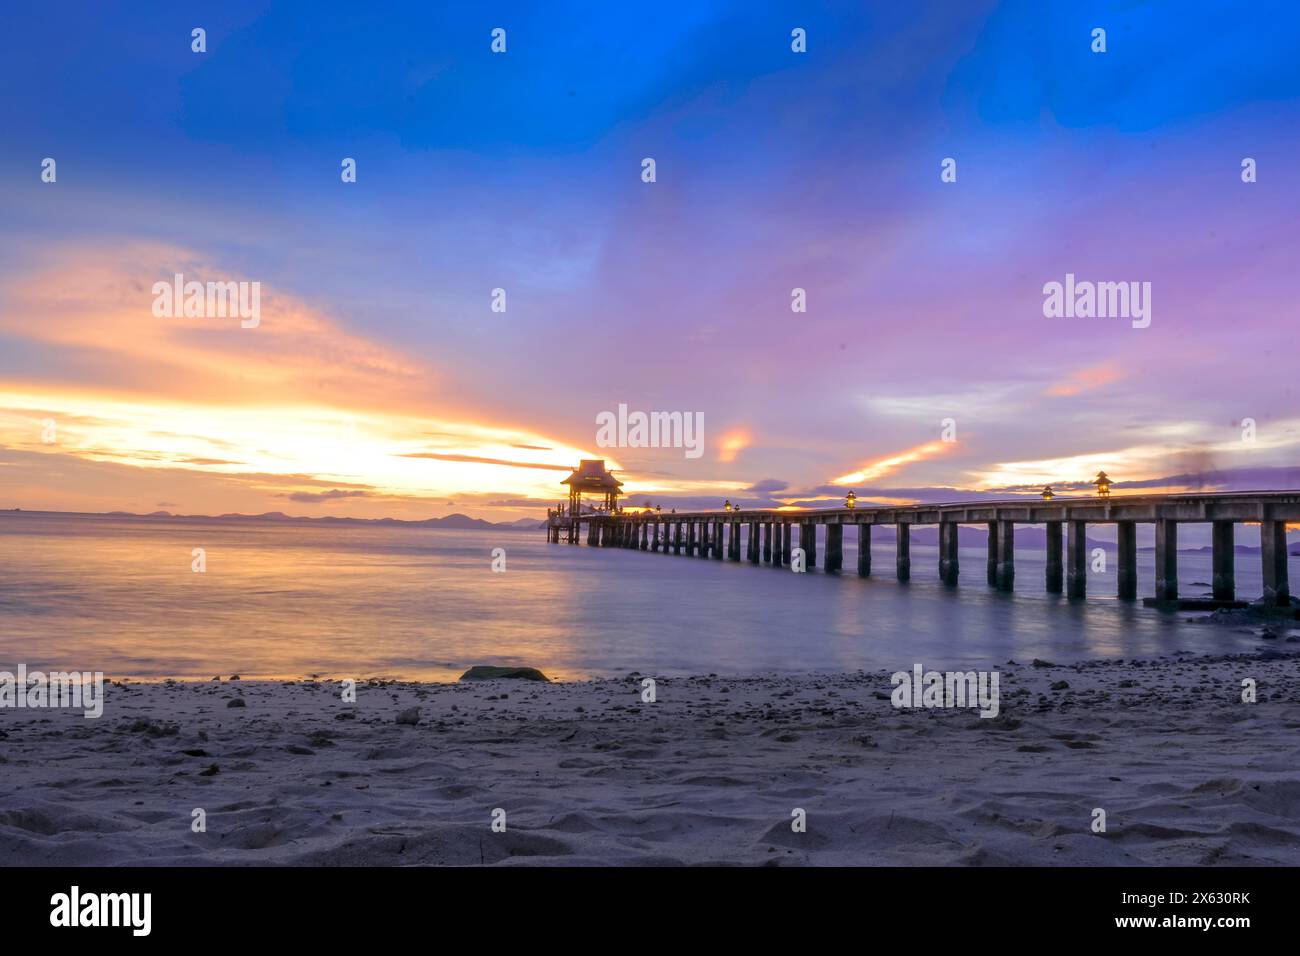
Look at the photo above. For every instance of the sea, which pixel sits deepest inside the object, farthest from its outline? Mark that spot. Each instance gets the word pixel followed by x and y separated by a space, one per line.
pixel 289 599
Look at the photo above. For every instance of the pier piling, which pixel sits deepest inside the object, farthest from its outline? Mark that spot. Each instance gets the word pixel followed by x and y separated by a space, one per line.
pixel 1126 571
pixel 1223 548
pixel 948 564
pixel 1166 560
pixel 1006 555
pixel 1076 559
pixel 903 551
pixel 1272 539
pixel 992 570
pixel 834 548
pixel 1055 576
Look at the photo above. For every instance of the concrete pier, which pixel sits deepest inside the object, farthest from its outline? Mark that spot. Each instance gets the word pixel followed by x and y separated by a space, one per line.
pixel 1006 555
pixel 808 542
pixel 1166 560
pixel 1055 575
pixel 770 532
pixel 948 564
pixel 992 572
pixel 1076 559
pixel 834 548
pixel 903 552
pixel 1224 546
pixel 1126 571
pixel 1272 540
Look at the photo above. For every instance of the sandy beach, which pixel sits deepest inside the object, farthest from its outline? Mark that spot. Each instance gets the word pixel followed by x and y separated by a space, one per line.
pixel 710 773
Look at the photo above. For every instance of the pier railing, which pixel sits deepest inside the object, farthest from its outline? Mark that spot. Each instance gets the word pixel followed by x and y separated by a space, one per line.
pixel 768 536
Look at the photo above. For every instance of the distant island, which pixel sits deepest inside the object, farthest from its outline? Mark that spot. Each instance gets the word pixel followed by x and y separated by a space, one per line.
pixel 455 521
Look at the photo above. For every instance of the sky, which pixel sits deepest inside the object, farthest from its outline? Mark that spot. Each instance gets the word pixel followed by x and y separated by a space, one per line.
pixel 379 380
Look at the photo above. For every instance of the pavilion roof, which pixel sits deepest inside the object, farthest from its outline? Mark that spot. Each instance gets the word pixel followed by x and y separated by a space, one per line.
pixel 591 475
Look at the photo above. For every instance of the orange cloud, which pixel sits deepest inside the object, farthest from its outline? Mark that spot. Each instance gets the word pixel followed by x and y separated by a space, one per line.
pixel 98 301
pixel 884 466
pixel 732 444
pixel 1085 380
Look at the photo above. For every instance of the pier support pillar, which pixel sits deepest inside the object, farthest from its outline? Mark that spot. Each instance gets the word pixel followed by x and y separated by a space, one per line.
pixel 767 542
pixel 690 538
pixel 1166 560
pixel 787 532
pixel 808 542
pixel 1076 559
pixel 991 575
pixel 949 568
pixel 677 537
pixel 1272 540
pixel 645 535
pixel 733 541
pixel 864 550
pixel 903 551
pixel 1224 550
pixel 1055 574
pixel 834 548
pixel 717 540
pixel 1006 555
pixel 1127 569
pixel 755 537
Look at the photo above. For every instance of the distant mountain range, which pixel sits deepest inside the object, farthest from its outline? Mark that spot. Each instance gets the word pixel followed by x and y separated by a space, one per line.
pixel 454 521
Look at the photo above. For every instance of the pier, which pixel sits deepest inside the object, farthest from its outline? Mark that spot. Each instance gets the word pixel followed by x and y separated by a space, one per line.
pixel 764 537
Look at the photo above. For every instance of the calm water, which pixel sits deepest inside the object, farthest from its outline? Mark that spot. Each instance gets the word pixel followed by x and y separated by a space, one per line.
pixel 288 600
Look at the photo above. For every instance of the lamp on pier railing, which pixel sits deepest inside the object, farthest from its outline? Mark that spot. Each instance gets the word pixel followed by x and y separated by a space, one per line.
pixel 659 509
pixel 1048 494
pixel 850 500
pixel 1103 485
pixel 726 505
